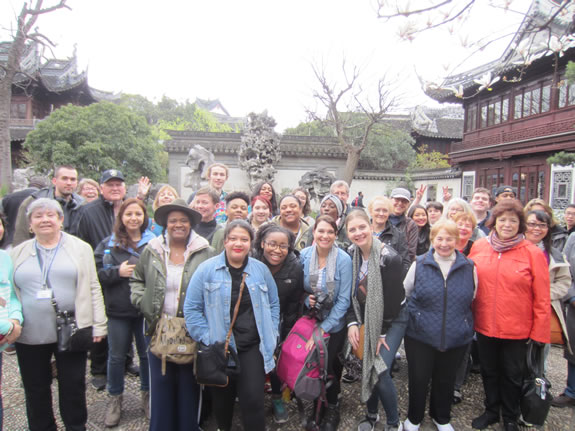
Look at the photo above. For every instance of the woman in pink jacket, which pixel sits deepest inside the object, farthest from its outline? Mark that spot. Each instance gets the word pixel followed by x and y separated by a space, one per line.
pixel 511 308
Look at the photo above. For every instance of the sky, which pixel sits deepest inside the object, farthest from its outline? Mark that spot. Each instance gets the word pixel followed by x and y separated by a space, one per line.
pixel 255 55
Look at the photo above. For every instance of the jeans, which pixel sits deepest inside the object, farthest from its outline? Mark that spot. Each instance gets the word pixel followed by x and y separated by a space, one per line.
pixel 570 388
pixel 384 389
pixel 36 372
pixel 120 333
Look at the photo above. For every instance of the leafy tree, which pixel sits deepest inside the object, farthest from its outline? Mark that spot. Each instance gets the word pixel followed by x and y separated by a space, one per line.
pixel 311 128
pixel 430 159
pixel 388 148
pixel 95 138
pixel 561 158
pixel 260 148
pixel 570 73
pixel 202 121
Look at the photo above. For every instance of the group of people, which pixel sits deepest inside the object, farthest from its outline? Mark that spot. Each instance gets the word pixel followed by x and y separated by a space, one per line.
pixel 438 278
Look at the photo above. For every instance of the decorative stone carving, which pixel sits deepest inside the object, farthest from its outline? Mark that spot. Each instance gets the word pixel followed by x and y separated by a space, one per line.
pixel 260 148
pixel 198 161
pixel 21 178
pixel 317 183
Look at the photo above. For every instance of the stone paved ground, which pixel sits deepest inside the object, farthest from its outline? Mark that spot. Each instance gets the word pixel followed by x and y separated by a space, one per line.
pixel 352 410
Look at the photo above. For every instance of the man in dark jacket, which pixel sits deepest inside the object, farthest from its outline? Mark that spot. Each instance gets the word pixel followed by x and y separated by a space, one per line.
pixel 96 222
pixel 400 198
pixel 11 203
pixel 395 238
pixel 62 189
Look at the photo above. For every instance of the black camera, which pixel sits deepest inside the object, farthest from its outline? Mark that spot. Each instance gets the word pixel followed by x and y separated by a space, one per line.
pixel 323 305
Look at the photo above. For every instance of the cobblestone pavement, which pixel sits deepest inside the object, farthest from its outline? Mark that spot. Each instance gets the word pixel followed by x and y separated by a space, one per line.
pixel 351 408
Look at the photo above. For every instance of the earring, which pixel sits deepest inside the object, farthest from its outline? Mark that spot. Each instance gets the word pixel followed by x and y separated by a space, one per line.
pixel 30 230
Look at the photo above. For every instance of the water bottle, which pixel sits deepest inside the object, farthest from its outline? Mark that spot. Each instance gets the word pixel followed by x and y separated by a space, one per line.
pixel 107 259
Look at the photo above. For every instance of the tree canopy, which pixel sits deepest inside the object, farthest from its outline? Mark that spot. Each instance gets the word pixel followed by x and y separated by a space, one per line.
pixel 95 138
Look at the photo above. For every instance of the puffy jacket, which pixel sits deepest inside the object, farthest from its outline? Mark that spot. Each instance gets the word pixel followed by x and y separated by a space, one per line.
pixel 513 295
pixel 440 309
pixel 395 238
pixel 207 305
pixel 148 282
pixel 289 281
pixel 116 288
pixel 70 208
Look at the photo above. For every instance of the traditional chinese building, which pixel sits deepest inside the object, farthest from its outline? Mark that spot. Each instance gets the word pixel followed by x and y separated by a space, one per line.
pixel 44 85
pixel 519 110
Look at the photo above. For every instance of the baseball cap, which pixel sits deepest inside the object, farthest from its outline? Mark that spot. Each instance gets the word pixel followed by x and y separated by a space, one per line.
pixel 505 189
pixel 111 174
pixel 401 193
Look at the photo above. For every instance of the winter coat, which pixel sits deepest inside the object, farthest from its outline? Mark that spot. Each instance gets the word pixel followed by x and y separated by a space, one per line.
pixel 148 282
pixel 96 221
pixel 411 231
pixel 560 279
pixel 513 295
pixel 559 237
pixel 116 288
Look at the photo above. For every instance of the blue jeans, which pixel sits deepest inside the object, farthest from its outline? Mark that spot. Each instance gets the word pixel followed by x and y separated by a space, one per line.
pixel 120 332
pixel 384 389
pixel 570 388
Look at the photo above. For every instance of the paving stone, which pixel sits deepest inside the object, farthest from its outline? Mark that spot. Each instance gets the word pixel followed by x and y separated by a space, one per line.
pixel 352 410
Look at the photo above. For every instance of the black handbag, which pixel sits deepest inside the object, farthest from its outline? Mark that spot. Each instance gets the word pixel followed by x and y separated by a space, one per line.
pixel 70 337
pixel 536 395
pixel 216 362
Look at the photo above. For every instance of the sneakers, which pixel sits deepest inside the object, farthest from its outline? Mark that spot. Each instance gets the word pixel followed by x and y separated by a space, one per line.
pixel 99 382
pixel 563 401
pixel 279 411
pixel 146 403
pixel 398 427
pixel 457 397
pixel 113 411
pixel 444 427
pixel 408 426
pixel 483 421
pixel 331 420
pixel 368 423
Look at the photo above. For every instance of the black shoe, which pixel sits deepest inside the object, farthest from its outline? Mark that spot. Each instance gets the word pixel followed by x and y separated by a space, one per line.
pixel 99 382
pixel 510 426
pixel 349 377
pixel 133 370
pixel 331 420
pixel 483 421
pixel 563 401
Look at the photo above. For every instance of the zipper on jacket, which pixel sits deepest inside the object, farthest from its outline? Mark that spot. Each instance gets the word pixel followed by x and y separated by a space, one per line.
pixel 444 315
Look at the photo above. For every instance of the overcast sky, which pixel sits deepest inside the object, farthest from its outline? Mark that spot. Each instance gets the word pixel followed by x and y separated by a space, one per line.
pixel 251 54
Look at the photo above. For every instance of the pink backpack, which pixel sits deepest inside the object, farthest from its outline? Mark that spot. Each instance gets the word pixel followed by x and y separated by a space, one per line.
pixel 304 372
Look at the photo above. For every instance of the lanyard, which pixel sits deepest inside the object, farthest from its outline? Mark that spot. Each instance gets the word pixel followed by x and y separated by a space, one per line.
pixel 46 268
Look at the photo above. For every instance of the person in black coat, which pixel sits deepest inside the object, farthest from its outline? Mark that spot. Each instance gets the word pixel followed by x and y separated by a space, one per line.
pixel 275 246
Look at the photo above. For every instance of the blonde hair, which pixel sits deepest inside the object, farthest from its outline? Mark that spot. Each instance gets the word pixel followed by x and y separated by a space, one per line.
pixel 85 181
pixel 156 202
pixel 466 217
pixel 443 224
pixel 217 165
pixel 385 200
pixel 545 205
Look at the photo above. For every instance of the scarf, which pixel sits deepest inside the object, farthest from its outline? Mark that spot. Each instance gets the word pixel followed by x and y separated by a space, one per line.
pixel 373 364
pixel 329 270
pixel 500 245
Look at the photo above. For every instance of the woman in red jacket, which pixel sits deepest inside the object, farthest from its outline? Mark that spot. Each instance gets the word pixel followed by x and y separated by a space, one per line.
pixel 511 308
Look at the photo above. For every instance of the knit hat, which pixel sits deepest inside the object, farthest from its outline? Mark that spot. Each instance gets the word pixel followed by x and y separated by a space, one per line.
pixel 336 201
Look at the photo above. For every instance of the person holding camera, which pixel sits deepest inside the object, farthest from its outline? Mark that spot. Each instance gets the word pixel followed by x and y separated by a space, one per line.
pixel 327 279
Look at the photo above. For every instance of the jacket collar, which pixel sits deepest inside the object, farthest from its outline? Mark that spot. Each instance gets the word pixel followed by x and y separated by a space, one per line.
pixel 196 242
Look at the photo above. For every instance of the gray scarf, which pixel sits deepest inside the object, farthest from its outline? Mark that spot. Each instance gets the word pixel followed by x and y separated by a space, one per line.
pixel 329 270
pixel 373 364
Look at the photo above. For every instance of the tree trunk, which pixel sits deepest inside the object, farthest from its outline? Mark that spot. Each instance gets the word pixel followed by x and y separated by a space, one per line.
pixel 351 163
pixel 5 150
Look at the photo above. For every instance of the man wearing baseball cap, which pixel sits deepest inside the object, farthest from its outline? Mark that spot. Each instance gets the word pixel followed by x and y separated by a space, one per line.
pixel 400 199
pixel 505 192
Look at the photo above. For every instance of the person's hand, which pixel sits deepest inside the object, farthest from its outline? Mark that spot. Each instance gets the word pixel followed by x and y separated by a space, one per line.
pixel 144 185
pixel 97 339
pixel 126 270
pixel 353 336
pixel 309 345
pixel 420 191
pixel 380 343
pixel 312 301
pixel 446 194
pixel 14 335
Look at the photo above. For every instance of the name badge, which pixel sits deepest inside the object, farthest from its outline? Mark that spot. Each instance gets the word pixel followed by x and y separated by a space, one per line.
pixel 44 294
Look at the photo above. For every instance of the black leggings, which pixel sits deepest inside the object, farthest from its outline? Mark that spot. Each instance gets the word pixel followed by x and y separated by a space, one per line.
pixel 334 365
pixel 249 387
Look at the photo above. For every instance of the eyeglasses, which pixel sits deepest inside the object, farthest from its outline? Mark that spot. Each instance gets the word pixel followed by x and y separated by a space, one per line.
pixel 274 245
pixel 540 226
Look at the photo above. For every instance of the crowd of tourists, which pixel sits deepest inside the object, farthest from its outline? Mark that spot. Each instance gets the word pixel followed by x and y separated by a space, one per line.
pixel 86 273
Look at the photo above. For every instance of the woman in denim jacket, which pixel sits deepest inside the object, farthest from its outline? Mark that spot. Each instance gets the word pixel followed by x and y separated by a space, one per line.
pixel 327 277
pixel 212 295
